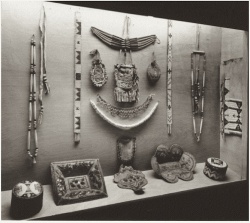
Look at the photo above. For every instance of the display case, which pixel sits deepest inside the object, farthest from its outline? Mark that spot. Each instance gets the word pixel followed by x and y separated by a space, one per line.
pixel 170 88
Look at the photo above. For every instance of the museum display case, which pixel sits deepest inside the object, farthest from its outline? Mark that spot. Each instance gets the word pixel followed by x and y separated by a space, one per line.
pixel 95 102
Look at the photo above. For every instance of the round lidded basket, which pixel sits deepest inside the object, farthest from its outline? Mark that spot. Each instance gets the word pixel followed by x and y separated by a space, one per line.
pixel 27 199
pixel 215 168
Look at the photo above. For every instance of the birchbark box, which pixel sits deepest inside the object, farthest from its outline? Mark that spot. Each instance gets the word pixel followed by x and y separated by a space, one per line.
pixel 218 102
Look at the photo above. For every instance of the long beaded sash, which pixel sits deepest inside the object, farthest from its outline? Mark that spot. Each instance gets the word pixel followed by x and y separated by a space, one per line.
pixel 169 79
pixel 78 67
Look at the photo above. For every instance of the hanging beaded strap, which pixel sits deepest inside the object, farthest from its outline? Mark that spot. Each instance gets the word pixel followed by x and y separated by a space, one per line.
pixel 43 73
pixel 224 91
pixel 169 79
pixel 197 91
pixel 78 67
pixel 32 101
pixel 231 107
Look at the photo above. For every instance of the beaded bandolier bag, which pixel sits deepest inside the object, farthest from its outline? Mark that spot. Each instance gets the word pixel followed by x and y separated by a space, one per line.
pixel 43 71
pixel 125 73
pixel 126 77
pixel 231 108
pixel 197 91
pixel 77 75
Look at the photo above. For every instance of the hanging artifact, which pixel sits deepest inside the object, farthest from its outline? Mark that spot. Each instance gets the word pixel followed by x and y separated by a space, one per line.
pixel 43 70
pixel 197 91
pixel 126 83
pixel 125 74
pixel 127 43
pixel 173 163
pixel 126 147
pixel 169 79
pixel 77 180
pixel 215 168
pixel 98 73
pixel 231 108
pixel 125 118
pixel 77 77
pixel 153 71
pixel 32 102
pixel 127 177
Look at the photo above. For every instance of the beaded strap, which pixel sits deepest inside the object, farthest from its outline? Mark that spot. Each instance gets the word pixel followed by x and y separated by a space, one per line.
pixel 231 108
pixel 169 78
pixel 43 72
pixel 197 91
pixel 32 101
pixel 77 76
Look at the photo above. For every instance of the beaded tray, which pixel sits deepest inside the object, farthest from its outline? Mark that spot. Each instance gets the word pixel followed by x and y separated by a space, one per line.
pixel 77 181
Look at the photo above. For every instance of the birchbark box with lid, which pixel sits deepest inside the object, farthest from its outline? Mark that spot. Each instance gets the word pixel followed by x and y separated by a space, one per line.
pixel 20 20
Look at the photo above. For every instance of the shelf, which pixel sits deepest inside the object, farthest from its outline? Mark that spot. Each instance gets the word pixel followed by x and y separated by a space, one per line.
pixel 116 195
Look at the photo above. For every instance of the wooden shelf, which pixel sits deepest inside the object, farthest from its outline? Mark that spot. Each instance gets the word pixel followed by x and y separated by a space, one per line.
pixel 116 195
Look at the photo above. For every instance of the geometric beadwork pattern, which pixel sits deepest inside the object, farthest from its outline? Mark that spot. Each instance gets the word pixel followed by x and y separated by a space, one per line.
pixel 77 181
pixel 233 116
pixel 77 77
pixel 169 77
pixel 77 123
pixel 231 108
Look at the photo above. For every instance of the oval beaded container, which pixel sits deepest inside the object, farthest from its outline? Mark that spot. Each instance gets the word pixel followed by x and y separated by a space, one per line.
pixel 153 72
pixel 215 168
pixel 27 199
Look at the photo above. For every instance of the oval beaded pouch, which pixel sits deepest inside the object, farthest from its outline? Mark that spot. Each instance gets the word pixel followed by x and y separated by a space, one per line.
pixel 98 74
pixel 153 71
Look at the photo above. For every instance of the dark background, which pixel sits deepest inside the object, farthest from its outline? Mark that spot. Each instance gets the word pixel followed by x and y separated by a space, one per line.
pixel 223 14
